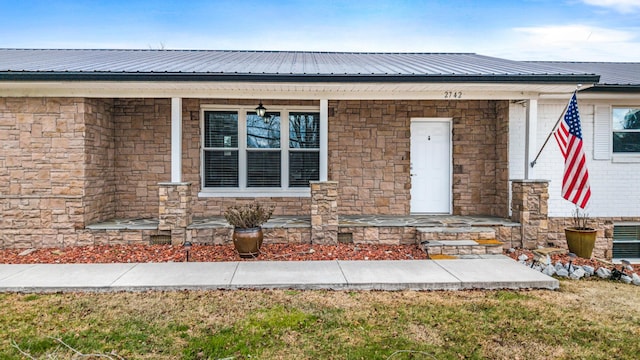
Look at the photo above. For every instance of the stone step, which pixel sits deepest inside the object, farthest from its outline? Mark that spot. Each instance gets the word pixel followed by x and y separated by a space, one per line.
pixel 462 247
pixel 455 233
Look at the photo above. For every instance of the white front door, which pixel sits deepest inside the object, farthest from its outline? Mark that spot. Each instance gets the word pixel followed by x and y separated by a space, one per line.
pixel 431 165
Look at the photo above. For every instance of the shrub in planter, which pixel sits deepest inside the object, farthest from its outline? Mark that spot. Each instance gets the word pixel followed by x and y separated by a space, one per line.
pixel 581 238
pixel 247 221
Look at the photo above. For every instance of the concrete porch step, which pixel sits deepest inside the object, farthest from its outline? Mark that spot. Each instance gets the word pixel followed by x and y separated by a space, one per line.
pixel 455 233
pixel 464 240
pixel 462 247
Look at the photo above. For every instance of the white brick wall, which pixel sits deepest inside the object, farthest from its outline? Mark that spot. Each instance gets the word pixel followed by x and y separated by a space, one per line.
pixel 615 187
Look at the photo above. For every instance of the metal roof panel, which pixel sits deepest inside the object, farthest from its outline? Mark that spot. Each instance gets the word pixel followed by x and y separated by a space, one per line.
pixel 611 73
pixel 232 62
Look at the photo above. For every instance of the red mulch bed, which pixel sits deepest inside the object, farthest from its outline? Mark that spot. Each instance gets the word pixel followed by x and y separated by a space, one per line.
pixel 208 253
pixel 213 253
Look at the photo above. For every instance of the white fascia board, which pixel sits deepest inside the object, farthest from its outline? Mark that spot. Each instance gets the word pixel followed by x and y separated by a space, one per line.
pixel 310 91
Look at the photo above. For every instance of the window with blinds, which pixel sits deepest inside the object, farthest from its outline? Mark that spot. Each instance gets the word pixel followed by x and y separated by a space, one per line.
pixel 626 241
pixel 626 130
pixel 242 150
pixel 304 145
pixel 263 150
pixel 221 149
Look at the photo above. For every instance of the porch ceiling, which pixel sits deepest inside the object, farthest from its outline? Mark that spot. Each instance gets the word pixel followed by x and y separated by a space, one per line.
pixel 288 90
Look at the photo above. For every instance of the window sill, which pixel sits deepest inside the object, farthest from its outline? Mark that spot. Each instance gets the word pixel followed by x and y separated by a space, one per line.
pixel 208 193
pixel 616 158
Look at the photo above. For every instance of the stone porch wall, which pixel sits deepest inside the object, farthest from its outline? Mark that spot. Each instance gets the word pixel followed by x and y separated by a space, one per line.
pixel 99 151
pixel 369 154
pixel 142 155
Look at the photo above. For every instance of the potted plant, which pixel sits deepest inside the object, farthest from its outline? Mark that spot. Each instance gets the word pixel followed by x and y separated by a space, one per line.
pixel 247 223
pixel 581 238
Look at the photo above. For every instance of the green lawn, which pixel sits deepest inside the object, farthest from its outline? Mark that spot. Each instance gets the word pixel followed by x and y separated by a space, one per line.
pixel 584 320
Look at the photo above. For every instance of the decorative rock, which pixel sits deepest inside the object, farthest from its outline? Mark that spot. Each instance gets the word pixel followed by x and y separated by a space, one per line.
pixel 560 266
pixel 27 252
pixel 626 279
pixel 571 268
pixel 549 270
pixel 603 273
pixel 635 279
pixel 523 258
pixel 562 272
pixel 578 273
pixel 589 270
pixel 511 250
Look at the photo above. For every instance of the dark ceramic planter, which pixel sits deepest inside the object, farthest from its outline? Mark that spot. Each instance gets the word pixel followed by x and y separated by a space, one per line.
pixel 247 241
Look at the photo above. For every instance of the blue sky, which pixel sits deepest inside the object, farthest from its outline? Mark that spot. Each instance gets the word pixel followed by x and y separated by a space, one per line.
pixel 585 30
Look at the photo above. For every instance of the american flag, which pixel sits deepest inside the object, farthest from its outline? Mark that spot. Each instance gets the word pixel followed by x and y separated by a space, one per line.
pixel 575 183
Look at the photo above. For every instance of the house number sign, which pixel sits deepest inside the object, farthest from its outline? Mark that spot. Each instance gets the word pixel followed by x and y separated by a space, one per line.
pixel 453 94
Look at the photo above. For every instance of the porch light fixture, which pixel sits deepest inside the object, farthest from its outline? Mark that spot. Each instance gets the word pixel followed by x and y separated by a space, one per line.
pixel 261 110
pixel 187 247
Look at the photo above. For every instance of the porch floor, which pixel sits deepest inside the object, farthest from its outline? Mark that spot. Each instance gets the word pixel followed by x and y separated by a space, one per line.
pixel 305 221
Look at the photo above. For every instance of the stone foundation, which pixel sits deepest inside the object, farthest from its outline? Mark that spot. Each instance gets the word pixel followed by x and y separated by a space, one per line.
pixel 392 235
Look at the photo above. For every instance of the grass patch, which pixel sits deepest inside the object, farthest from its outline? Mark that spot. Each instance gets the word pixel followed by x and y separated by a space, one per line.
pixel 585 319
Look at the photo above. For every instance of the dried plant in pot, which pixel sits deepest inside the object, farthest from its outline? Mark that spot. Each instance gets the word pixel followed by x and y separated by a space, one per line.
pixel 247 221
pixel 581 238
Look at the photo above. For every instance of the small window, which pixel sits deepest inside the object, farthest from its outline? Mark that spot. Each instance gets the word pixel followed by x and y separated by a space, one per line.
pixel 626 130
pixel 626 241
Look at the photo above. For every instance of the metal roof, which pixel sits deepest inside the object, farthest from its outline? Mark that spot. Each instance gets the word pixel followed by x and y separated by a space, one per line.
pixel 200 65
pixel 612 74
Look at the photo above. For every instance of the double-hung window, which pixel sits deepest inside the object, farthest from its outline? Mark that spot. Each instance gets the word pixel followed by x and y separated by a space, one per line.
pixel 626 130
pixel 244 154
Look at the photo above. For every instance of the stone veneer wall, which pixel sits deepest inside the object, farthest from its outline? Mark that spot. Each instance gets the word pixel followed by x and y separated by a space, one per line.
pixel 42 163
pixel 142 155
pixel 100 180
pixel 369 154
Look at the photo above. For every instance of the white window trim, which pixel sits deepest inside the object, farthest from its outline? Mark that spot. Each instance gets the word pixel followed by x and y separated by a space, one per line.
pixel 242 190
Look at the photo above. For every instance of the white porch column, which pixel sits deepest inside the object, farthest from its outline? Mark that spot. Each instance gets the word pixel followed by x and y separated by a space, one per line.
pixel 324 139
pixel 176 140
pixel 531 143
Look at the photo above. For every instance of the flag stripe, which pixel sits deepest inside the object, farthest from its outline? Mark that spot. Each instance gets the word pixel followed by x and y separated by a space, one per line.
pixel 561 138
pixel 568 135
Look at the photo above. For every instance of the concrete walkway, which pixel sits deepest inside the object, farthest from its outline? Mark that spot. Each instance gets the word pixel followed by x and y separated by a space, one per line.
pixel 487 273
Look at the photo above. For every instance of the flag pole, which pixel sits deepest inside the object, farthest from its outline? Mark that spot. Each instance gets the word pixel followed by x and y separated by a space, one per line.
pixel 533 163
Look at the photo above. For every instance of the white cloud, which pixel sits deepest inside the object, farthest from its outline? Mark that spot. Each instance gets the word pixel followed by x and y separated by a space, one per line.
pixel 575 42
pixel 575 34
pixel 622 6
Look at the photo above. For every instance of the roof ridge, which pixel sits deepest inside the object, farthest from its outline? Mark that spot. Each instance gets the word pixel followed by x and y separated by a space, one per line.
pixel 579 62
pixel 249 51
